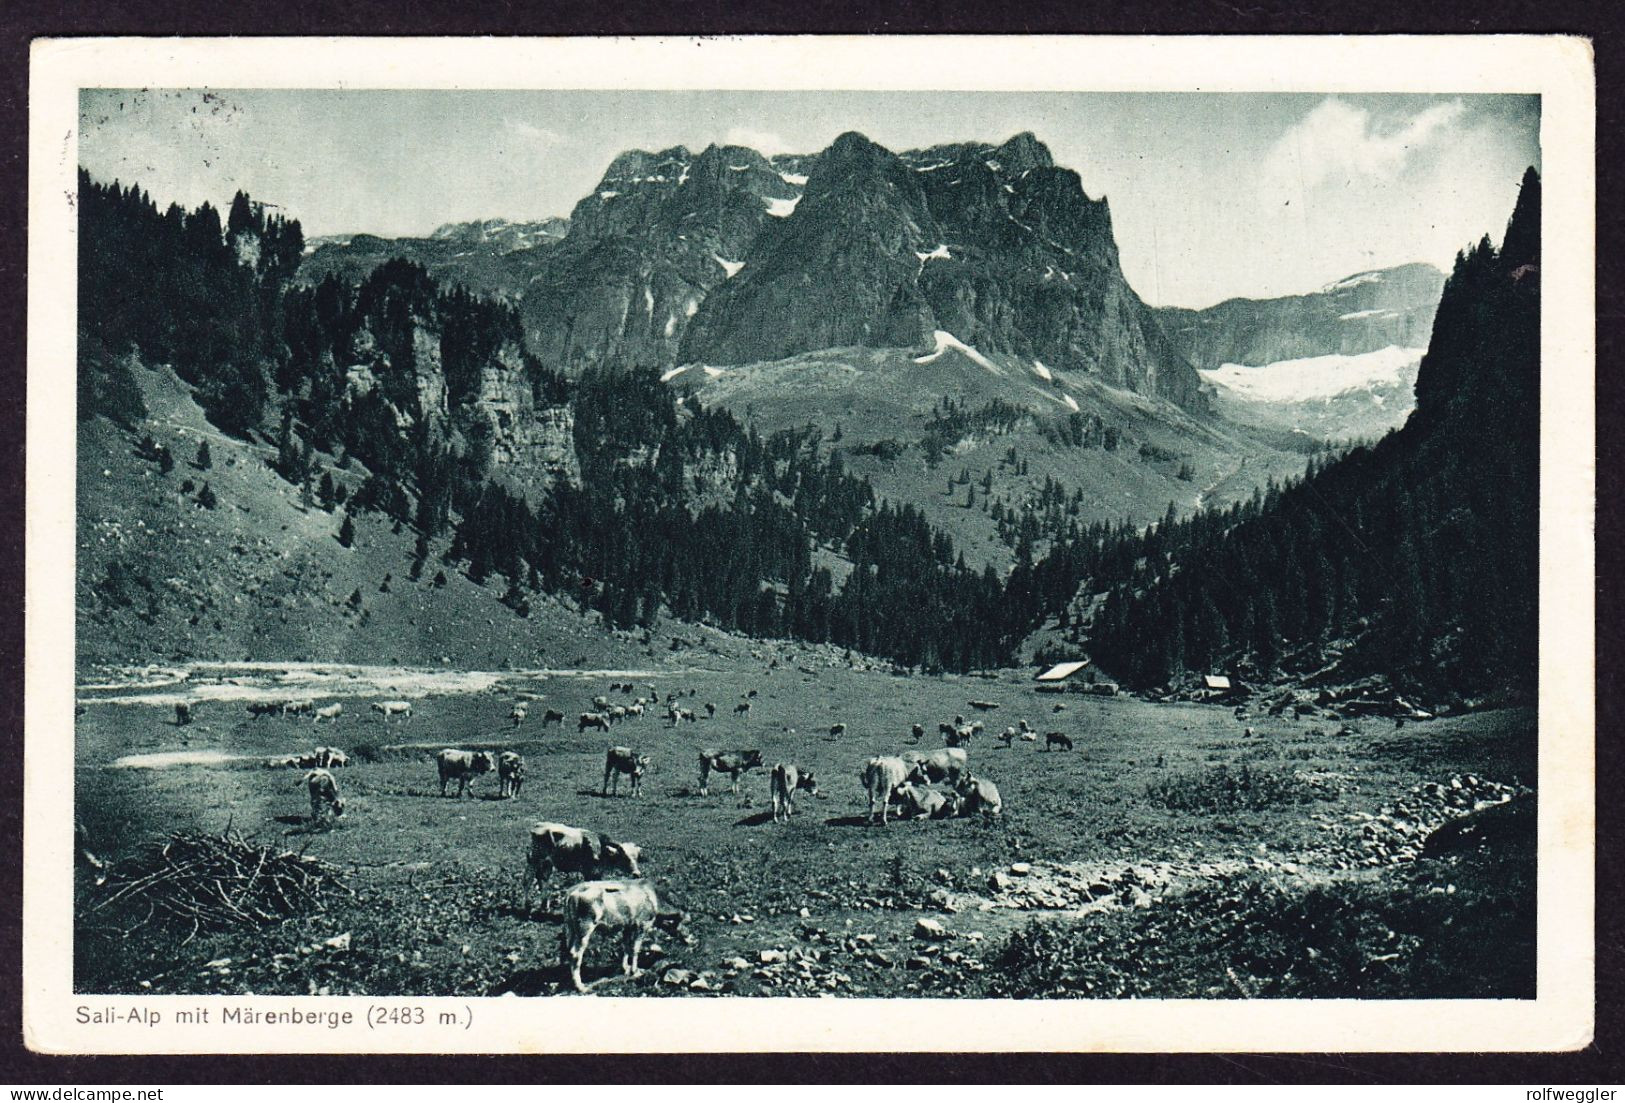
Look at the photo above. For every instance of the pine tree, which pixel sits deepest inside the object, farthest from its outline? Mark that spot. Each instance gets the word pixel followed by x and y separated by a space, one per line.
pixel 204 459
pixel 325 494
pixel 347 531
pixel 205 497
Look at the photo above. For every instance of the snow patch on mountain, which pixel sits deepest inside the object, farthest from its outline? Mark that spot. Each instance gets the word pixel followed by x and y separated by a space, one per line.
pixel 1315 377
pixel 946 341
pixel 1043 372
pixel 731 267
pixel 781 208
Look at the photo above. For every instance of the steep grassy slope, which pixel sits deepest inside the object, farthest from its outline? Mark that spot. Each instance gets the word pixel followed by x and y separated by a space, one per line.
pixel 882 402
pixel 262 575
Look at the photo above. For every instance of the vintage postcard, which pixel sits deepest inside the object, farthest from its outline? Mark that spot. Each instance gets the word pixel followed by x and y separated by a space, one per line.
pixel 772 543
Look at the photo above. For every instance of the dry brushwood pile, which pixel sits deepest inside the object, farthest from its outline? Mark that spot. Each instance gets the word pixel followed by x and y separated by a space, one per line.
pixel 211 882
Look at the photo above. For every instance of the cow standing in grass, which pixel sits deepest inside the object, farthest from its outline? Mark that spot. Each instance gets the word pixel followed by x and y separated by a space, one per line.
pixel 881 776
pixel 786 780
pixel 632 908
pixel 623 760
pixel 463 767
pixel 732 763
pixel 510 773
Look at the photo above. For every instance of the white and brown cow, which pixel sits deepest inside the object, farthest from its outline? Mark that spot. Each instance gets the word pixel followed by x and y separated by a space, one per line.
pixel 463 767
pixel 560 848
pixel 919 802
pixel 595 720
pixel 787 778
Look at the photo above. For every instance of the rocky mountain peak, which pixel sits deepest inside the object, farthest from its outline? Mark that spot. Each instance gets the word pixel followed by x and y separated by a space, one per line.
pixel 1023 153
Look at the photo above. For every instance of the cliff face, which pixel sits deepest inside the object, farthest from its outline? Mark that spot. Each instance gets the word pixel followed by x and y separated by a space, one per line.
pixel 1362 313
pixel 995 245
pixel 659 232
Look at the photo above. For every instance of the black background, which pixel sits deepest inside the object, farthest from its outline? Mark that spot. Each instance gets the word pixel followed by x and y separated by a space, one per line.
pixel 1601 1063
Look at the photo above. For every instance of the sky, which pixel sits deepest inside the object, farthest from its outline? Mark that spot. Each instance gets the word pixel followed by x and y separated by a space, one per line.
pixel 1213 195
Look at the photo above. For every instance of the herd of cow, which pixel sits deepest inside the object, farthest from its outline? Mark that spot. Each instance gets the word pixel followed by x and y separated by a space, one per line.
pixel 615 896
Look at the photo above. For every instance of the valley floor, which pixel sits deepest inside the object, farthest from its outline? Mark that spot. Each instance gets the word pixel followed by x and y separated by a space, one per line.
pixel 1170 853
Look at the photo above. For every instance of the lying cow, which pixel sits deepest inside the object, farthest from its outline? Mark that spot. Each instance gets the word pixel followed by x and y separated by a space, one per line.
pixel 324 795
pixel 947 764
pixel 732 763
pixel 387 709
pixel 510 773
pixel 918 802
pixel 558 847
pixel 463 767
pixel 330 713
pixel 881 776
pixel 786 780
pixel 592 720
pixel 631 907
pixel 978 794
pixel 624 760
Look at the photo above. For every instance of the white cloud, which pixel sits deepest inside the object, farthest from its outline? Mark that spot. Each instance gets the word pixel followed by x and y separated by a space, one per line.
pixel 1339 143
pixel 536 135
pixel 764 142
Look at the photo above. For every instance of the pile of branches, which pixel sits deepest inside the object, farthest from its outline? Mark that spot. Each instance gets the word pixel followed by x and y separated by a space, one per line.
pixel 211 882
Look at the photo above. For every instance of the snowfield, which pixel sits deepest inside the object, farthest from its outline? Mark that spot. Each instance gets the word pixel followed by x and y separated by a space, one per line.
pixel 946 341
pixel 731 267
pixel 782 208
pixel 1316 377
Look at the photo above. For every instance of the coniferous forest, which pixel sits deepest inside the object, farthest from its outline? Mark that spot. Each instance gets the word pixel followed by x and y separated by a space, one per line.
pixel 1415 556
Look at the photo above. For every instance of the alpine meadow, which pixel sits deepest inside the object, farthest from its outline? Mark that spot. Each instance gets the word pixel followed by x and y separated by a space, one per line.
pixel 818 573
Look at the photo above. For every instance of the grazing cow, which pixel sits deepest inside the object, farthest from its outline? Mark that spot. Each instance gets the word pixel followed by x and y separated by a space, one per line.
pixel 1057 739
pixel 463 767
pixel 337 758
pixel 881 776
pixel 617 713
pixel 263 708
pixel 327 757
pixel 919 732
pixel 1058 707
pixel 632 908
pixel 387 709
pixel 600 703
pixel 517 714
pixel 786 780
pixel 710 710
pixel 565 849
pixel 920 803
pixel 324 795
pixel 635 710
pixel 510 773
pixel 330 713
pixel 552 716
pixel 623 760
pixel 732 763
pixel 978 794
pixel 946 764
pixel 592 720
pixel 741 708
pixel 837 730
pixel 1008 736
pixel 302 707
pixel 183 713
